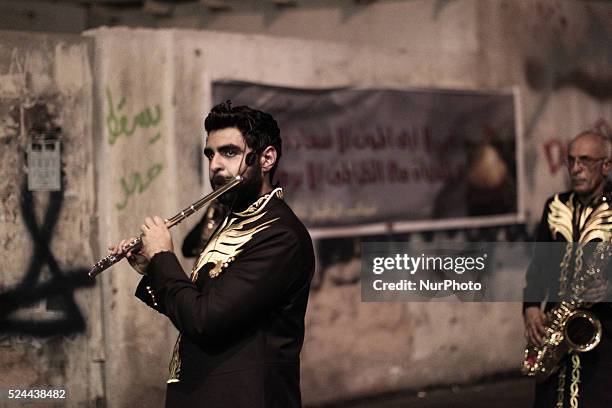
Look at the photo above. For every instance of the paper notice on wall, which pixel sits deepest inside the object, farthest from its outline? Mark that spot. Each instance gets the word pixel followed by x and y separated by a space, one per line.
pixel 44 166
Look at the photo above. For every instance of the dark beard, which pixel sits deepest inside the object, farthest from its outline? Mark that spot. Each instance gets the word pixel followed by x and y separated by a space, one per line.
pixel 244 194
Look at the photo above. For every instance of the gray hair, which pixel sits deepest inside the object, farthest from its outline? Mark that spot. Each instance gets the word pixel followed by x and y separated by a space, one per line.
pixel 604 138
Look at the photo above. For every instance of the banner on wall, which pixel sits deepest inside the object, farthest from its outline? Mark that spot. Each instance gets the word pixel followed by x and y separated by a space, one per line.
pixel 371 161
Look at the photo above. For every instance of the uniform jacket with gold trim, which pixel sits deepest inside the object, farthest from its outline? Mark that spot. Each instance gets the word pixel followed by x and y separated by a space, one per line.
pixel 563 220
pixel 241 315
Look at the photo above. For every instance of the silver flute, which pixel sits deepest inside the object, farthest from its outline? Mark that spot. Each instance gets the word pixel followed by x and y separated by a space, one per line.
pixel 136 244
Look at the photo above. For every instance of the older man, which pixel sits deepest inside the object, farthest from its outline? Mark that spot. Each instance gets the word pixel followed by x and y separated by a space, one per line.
pixel 575 219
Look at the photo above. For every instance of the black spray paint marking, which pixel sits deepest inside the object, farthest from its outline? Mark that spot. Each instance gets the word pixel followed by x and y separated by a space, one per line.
pixel 59 290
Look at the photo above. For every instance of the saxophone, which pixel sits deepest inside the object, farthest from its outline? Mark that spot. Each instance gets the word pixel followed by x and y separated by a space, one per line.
pixel 569 326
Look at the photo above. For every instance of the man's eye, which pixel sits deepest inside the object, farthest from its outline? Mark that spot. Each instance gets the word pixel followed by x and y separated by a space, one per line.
pixel 230 153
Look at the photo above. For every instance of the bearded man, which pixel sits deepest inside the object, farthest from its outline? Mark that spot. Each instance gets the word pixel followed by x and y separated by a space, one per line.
pixel 240 313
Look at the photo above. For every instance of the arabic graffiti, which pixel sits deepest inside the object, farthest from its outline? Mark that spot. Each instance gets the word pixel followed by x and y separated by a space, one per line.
pixel 43 280
pixel 59 290
pixel 124 125
pixel 137 183
pixel 121 124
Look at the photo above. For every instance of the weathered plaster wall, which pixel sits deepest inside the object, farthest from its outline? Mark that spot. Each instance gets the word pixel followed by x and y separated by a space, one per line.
pixel 152 88
pixel 50 320
pixel 354 348
pixel 135 166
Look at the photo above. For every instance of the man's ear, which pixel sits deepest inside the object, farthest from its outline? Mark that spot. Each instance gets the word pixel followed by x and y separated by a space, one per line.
pixel 267 159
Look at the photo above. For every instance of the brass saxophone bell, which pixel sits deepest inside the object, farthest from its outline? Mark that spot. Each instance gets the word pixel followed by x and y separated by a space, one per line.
pixel 582 331
pixel 569 327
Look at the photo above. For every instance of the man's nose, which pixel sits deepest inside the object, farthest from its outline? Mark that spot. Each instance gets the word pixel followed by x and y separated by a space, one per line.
pixel 216 164
pixel 576 167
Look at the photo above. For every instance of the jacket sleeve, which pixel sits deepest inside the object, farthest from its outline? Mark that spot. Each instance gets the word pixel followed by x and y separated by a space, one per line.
pixel 535 289
pixel 145 292
pixel 256 281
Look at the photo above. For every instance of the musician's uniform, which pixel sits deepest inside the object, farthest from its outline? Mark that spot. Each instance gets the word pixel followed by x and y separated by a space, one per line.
pixel 241 314
pixel 568 225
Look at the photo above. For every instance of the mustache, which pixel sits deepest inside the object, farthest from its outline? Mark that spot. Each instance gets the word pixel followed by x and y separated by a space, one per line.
pixel 218 181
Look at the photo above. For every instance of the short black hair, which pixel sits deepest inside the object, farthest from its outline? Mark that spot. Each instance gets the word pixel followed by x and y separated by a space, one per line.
pixel 258 128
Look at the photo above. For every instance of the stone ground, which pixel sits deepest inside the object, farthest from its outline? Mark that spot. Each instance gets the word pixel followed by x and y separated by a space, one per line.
pixel 506 393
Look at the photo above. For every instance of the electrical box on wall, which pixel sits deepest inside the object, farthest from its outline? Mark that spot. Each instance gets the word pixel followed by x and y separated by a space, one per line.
pixel 44 164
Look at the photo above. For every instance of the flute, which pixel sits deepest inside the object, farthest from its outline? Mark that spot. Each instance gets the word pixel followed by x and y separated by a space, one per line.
pixel 136 243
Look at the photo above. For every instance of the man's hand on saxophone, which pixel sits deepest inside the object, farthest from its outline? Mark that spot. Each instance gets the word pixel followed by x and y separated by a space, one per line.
pixel 534 325
pixel 155 238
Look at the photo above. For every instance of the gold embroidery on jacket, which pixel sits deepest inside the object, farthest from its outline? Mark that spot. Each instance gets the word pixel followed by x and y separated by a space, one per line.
pixel 225 246
pixel 598 224
pixel 593 223
pixel 222 249
pixel 560 218
pixel 261 202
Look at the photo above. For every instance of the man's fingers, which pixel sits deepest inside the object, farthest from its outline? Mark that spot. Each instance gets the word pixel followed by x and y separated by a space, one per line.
pixel 537 339
pixel 535 328
pixel 535 322
pixel 540 335
pixel 115 249
pixel 159 221
pixel 125 244
pixel 535 331
pixel 149 222
pixel 531 338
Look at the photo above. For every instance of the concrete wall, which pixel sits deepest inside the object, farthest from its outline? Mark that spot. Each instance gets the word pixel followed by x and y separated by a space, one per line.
pixel 28 15
pixel 136 168
pixel 554 51
pixel 353 348
pixel 50 311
